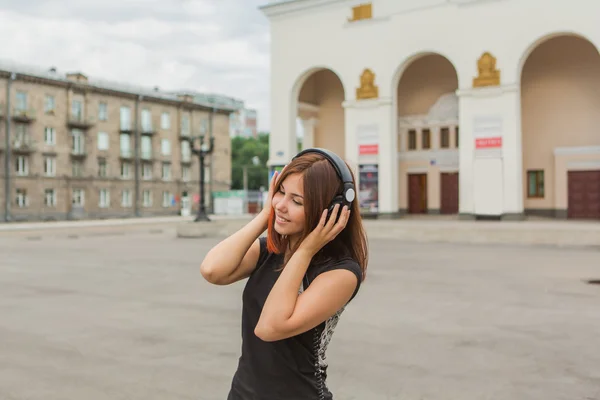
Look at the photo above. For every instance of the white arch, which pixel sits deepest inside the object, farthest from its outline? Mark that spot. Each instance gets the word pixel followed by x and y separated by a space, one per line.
pixel 297 88
pixel 410 60
pixel 542 39
pixel 303 77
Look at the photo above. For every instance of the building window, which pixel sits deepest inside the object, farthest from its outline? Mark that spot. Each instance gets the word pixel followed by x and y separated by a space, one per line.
pixel 186 173
pixel 125 142
pixel 22 165
pixel 103 112
pixel 126 198
pixel 186 151
pixel 125 170
pixel 103 141
pixel 147 198
pixel 50 136
pixel 22 200
pixel 78 141
pixel 535 183
pixel 146 147
pixel 50 198
pixel 102 168
pixel 185 125
pixel 425 139
pixel 125 118
pixel 146 120
pixel 49 166
pixel 166 171
pixel 167 199
pixel 104 200
pixel 22 137
pixel 165 147
pixel 21 103
pixel 412 139
pixel 77 168
pixel 49 104
pixel 165 121
pixel 78 197
pixel 445 138
pixel 147 171
pixel 456 137
pixel 77 110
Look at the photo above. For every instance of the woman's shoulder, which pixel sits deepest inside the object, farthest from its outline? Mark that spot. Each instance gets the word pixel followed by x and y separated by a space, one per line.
pixel 331 264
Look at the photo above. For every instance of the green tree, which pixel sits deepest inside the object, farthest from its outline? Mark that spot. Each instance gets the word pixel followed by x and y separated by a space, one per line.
pixel 243 150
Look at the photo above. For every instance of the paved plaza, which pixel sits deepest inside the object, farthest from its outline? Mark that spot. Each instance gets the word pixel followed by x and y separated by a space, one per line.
pixel 128 316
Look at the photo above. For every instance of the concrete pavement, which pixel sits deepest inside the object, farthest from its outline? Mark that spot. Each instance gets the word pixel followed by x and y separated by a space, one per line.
pixel 410 229
pixel 129 317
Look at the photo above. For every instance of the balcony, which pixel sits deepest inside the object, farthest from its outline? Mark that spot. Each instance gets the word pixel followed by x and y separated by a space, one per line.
pixel 125 128
pixel 22 145
pixel 23 115
pixel 78 153
pixel 147 130
pixel 185 134
pixel 186 158
pixel 81 122
pixel 126 154
pixel 146 155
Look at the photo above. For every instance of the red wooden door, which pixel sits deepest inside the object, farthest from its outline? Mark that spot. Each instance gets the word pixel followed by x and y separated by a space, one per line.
pixel 449 193
pixel 584 194
pixel 417 193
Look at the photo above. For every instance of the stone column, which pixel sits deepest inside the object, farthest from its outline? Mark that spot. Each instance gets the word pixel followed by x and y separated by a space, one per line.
pixel 376 118
pixel 309 132
pixel 282 141
pixel 491 182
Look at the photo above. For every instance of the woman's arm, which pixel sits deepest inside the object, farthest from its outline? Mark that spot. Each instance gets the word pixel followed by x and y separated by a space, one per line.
pixel 235 258
pixel 285 314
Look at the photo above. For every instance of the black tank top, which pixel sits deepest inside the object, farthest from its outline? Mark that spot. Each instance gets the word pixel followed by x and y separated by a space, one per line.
pixel 290 369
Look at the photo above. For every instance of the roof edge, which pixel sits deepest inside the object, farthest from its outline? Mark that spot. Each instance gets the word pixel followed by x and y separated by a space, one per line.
pixel 289 6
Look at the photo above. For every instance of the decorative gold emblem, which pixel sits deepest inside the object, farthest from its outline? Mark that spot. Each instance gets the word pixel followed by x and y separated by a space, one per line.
pixel 367 89
pixel 362 11
pixel 488 74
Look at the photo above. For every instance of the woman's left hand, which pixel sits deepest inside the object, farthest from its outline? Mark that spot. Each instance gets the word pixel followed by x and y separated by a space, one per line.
pixel 325 232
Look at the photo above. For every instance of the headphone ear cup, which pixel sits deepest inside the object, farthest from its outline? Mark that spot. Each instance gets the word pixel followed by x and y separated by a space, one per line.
pixel 339 199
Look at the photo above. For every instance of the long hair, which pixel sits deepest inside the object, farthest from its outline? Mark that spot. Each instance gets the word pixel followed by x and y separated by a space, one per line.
pixel 321 184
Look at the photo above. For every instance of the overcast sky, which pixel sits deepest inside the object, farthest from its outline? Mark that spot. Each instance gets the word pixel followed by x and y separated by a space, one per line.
pixel 217 46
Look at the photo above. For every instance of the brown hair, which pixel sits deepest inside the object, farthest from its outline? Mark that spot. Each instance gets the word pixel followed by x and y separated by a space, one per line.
pixel 321 185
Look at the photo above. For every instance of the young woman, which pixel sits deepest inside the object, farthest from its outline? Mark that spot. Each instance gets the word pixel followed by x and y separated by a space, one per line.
pixel 300 278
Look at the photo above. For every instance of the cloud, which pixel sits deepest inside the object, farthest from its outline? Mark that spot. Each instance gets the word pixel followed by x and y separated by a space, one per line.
pixel 219 46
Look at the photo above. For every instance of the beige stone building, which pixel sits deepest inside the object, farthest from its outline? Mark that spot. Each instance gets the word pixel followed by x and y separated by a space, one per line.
pixel 72 148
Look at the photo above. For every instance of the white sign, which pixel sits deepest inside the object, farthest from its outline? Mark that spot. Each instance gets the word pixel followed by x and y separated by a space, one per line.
pixel 487 132
pixel 368 139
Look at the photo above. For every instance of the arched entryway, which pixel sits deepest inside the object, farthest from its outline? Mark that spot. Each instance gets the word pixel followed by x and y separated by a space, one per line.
pixel 560 100
pixel 428 136
pixel 320 120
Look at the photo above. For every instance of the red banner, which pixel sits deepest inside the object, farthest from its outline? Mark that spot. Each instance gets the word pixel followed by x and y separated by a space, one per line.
pixel 368 149
pixel 488 143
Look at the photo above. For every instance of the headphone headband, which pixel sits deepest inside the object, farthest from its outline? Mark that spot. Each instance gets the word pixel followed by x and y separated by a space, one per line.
pixel 338 164
pixel 340 167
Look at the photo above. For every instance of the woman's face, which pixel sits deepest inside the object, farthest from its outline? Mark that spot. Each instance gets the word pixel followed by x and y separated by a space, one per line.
pixel 288 204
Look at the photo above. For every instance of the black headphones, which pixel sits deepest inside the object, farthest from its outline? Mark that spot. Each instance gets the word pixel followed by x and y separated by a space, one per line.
pixel 348 192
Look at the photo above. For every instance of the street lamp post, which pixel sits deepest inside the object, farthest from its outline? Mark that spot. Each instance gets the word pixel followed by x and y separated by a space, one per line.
pixel 202 151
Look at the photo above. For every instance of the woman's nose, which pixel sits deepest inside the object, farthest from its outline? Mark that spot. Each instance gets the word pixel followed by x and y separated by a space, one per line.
pixel 280 205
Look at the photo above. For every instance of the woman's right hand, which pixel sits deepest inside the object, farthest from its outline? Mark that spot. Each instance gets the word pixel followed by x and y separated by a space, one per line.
pixel 268 205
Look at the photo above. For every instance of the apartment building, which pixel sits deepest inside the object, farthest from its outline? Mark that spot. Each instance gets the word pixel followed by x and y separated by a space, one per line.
pixel 75 148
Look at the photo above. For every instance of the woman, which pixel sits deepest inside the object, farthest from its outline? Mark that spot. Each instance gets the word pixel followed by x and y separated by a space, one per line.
pixel 300 278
